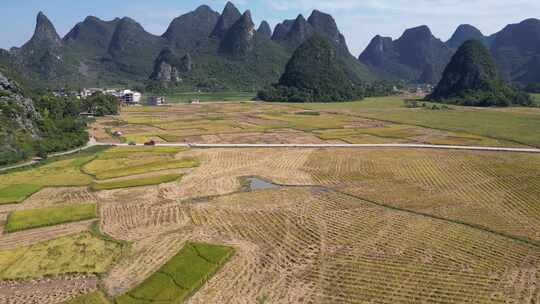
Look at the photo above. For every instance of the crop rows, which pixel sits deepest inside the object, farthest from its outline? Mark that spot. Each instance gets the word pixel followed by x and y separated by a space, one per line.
pixel 496 191
pixel 315 246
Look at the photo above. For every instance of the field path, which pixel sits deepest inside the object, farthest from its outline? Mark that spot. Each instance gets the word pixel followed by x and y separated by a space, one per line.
pixel 93 143
pixel 357 146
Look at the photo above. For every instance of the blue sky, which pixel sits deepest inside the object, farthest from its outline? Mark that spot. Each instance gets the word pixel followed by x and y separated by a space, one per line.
pixel 359 20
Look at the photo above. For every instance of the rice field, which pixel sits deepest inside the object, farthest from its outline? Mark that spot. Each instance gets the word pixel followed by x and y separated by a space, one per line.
pixel 16 193
pixel 344 226
pixel 79 253
pixel 135 182
pixel 374 120
pixel 181 276
pixel 120 162
pixel 511 125
pixel 36 218
pixel 91 298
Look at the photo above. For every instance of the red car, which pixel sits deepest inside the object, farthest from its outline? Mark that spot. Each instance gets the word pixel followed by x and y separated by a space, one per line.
pixel 150 143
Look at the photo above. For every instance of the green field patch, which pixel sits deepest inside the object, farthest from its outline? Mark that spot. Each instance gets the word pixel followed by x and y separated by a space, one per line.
pixel 146 168
pixel 91 298
pixel 77 253
pixel 17 185
pixel 17 193
pixel 121 162
pixel 210 97
pixel 123 151
pixel 181 276
pixel 35 218
pixel 135 182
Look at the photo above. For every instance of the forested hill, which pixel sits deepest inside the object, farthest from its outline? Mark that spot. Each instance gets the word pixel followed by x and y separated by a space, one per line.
pixel 226 51
pixel 42 124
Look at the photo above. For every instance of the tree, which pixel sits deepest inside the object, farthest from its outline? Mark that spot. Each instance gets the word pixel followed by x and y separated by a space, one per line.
pixel 314 74
pixel 471 79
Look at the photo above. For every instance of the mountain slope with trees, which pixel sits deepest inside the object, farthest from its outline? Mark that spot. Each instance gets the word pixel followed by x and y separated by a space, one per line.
pixel 417 56
pixel 414 58
pixel 225 51
pixel 314 74
pixel 471 79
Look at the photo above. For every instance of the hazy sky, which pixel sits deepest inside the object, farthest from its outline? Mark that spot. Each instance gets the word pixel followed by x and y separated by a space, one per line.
pixel 359 20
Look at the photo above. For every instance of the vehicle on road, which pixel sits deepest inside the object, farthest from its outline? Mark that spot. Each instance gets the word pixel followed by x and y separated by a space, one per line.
pixel 132 143
pixel 150 143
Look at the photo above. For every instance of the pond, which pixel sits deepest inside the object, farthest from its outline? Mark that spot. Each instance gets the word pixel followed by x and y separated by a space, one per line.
pixel 254 183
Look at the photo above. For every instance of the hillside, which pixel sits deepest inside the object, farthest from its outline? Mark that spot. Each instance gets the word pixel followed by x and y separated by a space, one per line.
pixel 225 51
pixel 314 74
pixel 19 121
pixel 471 79
pixel 416 56
pixel 515 49
pixel 466 32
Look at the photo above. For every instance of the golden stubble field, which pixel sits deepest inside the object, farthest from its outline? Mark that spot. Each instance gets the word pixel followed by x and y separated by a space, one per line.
pixel 346 226
pixel 364 122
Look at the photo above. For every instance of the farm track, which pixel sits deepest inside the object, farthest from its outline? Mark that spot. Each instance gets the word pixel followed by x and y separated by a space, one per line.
pixel 356 146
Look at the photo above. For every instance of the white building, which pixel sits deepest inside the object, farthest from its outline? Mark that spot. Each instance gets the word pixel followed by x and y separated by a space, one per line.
pixel 131 97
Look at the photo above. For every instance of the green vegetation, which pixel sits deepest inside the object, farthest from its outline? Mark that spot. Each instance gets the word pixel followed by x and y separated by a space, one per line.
pixel 100 104
pixel 135 182
pixel 471 79
pixel 181 276
pixel 519 125
pixel 314 74
pixel 35 218
pixel 16 193
pixel 207 96
pixel 91 298
pixel 62 171
pixel 145 168
pixel 533 88
pixel 536 98
pixel 78 253
pixel 120 162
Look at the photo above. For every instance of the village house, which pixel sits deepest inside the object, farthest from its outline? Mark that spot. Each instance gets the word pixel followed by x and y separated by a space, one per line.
pixel 156 100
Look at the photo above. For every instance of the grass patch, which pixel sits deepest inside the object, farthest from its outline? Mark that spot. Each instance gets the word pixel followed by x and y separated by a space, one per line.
pixel 181 276
pixel 135 182
pixel 18 184
pixel 91 298
pixel 35 218
pixel 77 253
pixel 17 193
pixel 121 162
pixel 146 168
pixel 210 96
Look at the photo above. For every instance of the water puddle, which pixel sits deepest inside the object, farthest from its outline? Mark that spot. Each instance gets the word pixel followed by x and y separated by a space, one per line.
pixel 253 183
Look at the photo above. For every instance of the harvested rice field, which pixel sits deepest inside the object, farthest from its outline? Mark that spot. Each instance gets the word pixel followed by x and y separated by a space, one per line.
pixel 133 224
pixel 377 120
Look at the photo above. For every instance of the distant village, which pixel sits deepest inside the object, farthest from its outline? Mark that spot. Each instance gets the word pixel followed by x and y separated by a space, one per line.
pixel 125 96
